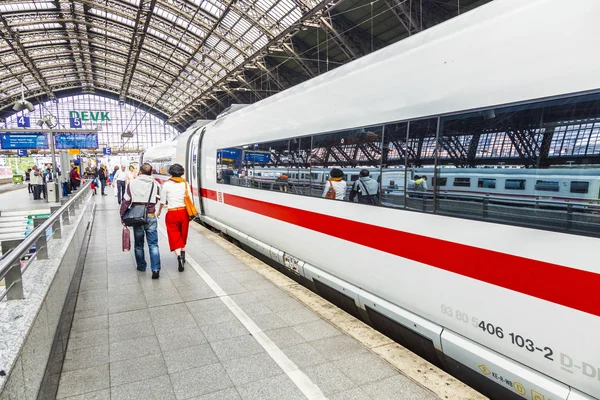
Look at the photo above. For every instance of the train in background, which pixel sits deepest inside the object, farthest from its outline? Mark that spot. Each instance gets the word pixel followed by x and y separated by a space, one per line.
pixel 511 310
pixel 557 185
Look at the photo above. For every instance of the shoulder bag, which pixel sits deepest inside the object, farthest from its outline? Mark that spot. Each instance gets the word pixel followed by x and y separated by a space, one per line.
pixel 331 192
pixel 137 215
pixel 189 204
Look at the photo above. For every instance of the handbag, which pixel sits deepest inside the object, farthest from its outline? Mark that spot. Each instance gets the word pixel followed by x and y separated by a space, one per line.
pixel 126 239
pixel 137 215
pixel 189 204
pixel 331 192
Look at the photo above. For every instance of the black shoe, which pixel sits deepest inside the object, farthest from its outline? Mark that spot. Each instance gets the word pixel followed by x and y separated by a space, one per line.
pixel 155 274
pixel 141 270
pixel 183 257
pixel 180 262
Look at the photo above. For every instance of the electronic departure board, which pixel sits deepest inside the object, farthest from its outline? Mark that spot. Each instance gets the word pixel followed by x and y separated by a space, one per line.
pixel 23 141
pixel 76 140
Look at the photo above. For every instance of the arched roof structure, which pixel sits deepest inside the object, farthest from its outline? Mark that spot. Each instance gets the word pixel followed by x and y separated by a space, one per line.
pixel 190 59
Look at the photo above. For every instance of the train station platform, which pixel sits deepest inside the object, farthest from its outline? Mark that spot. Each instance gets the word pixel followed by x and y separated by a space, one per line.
pixel 228 327
pixel 17 197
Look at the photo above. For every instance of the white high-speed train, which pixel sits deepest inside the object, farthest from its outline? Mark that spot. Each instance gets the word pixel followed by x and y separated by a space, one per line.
pixel 515 311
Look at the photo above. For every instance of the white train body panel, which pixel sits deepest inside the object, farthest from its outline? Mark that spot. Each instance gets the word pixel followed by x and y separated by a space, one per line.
pixel 505 52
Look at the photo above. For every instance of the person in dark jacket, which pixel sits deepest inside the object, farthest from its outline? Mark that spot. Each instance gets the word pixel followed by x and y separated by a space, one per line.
pixel 102 176
pixel 28 180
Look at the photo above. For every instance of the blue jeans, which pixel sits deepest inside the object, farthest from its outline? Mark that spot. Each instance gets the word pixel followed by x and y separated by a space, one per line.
pixel 151 232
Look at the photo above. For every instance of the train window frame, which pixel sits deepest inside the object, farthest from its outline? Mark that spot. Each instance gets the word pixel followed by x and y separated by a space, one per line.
pixel 547 185
pixel 521 186
pixel 464 182
pixel 481 183
pixel 466 161
pixel 439 181
pixel 587 187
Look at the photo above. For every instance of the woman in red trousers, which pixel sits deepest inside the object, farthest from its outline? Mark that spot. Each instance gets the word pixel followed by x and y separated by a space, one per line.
pixel 177 220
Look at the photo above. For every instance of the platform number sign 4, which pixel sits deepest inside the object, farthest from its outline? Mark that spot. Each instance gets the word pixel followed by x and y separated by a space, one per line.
pixel 75 122
pixel 23 122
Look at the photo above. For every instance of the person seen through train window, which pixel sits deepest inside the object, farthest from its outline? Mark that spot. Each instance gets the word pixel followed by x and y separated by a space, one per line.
pixel 227 174
pixel 282 182
pixel 421 184
pixel 335 188
pixel 366 187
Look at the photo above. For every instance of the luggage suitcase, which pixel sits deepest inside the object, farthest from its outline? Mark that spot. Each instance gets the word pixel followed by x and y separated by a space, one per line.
pixel 126 239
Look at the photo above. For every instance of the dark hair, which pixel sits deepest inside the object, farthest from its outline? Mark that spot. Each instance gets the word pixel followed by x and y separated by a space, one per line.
pixel 364 172
pixel 146 169
pixel 336 173
pixel 424 177
pixel 416 177
pixel 176 170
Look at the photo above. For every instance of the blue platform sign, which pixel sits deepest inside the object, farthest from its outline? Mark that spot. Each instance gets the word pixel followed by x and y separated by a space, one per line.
pixel 76 141
pixel 106 151
pixel 22 153
pixel 75 122
pixel 21 141
pixel 257 157
pixel 230 155
pixel 23 122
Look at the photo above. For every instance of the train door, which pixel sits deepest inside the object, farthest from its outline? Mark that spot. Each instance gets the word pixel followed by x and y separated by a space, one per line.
pixel 198 168
pixel 192 165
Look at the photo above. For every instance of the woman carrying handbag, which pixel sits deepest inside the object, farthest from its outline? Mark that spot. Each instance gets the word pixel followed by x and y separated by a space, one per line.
pixel 177 197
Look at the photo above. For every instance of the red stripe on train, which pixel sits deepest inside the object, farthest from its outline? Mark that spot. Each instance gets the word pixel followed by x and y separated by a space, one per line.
pixel 558 284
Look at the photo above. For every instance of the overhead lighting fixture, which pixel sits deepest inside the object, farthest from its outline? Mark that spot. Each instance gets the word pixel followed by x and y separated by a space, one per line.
pixel 48 120
pixel 126 134
pixel 22 104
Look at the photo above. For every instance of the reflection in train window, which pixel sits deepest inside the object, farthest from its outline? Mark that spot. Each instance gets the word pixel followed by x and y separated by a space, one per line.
pixel 439 181
pixel 462 182
pixel 579 186
pixel 486 183
pixel 547 186
pixel 514 184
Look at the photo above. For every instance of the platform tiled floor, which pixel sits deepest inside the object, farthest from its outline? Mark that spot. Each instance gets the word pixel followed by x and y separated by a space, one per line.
pixel 173 338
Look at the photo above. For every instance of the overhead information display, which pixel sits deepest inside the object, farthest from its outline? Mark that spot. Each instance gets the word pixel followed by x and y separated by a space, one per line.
pixel 257 157
pixel 76 140
pixel 23 141
pixel 230 156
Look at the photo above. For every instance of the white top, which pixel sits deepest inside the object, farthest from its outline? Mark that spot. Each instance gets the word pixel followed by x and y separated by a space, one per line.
pixel 120 175
pixel 338 186
pixel 172 194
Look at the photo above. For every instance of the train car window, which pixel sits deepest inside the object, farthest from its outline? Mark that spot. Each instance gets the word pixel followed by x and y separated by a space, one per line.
pixel 299 152
pixel 274 160
pixel 393 178
pixel 514 184
pixel 486 183
pixel 579 186
pixel 421 147
pixel 346 149
pixel 462 182
pixel 439 181
pixel 547 186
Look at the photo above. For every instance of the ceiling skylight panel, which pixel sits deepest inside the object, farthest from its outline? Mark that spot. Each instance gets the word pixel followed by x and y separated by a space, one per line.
pixel 34 27
pixel 111 34
pixel 26 6
pixel 111 17
pixel 212 8
pixel 292 18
